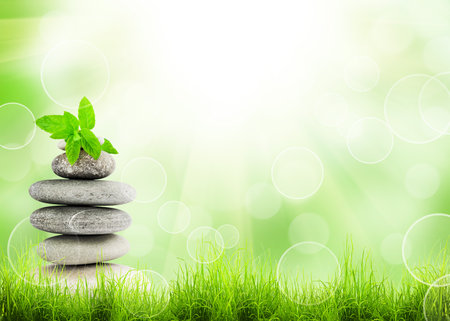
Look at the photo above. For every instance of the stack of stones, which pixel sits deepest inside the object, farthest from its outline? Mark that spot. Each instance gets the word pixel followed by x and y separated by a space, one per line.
pixel 87 238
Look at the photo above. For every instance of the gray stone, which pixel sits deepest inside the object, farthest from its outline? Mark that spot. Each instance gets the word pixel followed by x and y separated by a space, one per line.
pixel 76 250
pixel 62 143
pixel 80 276
pixel 78 220
pixel 86 167
pixel 82 192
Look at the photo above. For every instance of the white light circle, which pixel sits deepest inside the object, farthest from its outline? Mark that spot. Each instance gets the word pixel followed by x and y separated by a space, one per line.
pixel 205 244
pixel 147 176
pixel 55 26
pixel 391 249
pixel 390 35
pixel 174 217
pixel 230 235
pixel 153 289
pixel 308 227
pixel 306 268
pixel 432 240
pixel 141 240
pixel 402 111
pixel 370 140
pixel 422 181
pixel 297 173
pixel 17 163
pixel 331 109
pixel 75 224
pixel 344 128
pixel 361 74
pixel 199 217
pixel 436 54
pixel 23 246
pixel 262 201
pixel 436 302
pixel 17 126
pixel 74 69
pixel 434 103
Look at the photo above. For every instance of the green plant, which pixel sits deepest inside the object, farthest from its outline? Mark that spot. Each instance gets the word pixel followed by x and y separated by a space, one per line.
pixel 237 286
pixel 77 132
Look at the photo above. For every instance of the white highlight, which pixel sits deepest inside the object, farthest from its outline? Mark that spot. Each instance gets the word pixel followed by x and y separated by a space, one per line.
pixel 230 235
pixel 361 74
pixel 73 69
pixel 402 112
pixel 33 132
pixel 174 217
pixel 443 298
pixel 308 227
pixel 422 181
pixel 405 241
pixel 370 140
pixel 262 201
pixel 205 244
pixel 297 173
pixel 148 176
pixel 331 109
pixel 296 249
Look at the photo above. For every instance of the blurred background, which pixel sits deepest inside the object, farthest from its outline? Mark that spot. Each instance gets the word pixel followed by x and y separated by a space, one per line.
pixel 271 122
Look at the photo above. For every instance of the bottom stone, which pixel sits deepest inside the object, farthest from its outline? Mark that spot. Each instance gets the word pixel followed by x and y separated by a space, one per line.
pixel 82 249
pixel 83 275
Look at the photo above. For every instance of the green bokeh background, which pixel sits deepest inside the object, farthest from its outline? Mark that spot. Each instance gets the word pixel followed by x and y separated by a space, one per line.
pixel 215 98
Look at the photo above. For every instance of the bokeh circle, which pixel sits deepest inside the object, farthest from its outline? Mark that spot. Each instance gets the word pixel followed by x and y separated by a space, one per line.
pixel 230 235
pixel 24 244
pixel 370 140
pixel 307 273
pixel 391 249
pixel 402 110
pixel 434 103
pixel 147 176
pixel 262 201
pixel 436 302
pixel 174 217
pixel 205 244
pixel 435 54
pixel 308 227
pixel 12 116
pixel 361 73
pixel 297 173
pixel 153 289
pixel 390 36
pixel 140 238
pixel 429 241
pixel 422 181
pixel 74 69
pixel 331 109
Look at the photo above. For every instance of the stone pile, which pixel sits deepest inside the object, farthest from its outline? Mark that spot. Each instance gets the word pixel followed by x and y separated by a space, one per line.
pixel 86 229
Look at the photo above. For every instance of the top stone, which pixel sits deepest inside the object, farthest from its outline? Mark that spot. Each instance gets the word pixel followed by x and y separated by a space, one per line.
pixel 86 167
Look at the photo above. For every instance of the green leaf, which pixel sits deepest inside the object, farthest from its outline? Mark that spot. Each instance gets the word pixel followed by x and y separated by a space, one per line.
pixel 76 136
pixel 62 134
pixel 51 124
pixel 90 143
pixel 86 114
pixel 71 122
pixel 108 147
pixel 73 149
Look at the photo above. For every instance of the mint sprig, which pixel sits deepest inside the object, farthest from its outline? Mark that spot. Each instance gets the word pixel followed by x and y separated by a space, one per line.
pixel 86 114
pixel 77 132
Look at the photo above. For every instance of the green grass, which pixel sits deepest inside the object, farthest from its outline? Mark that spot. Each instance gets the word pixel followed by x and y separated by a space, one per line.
pixel 235 287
